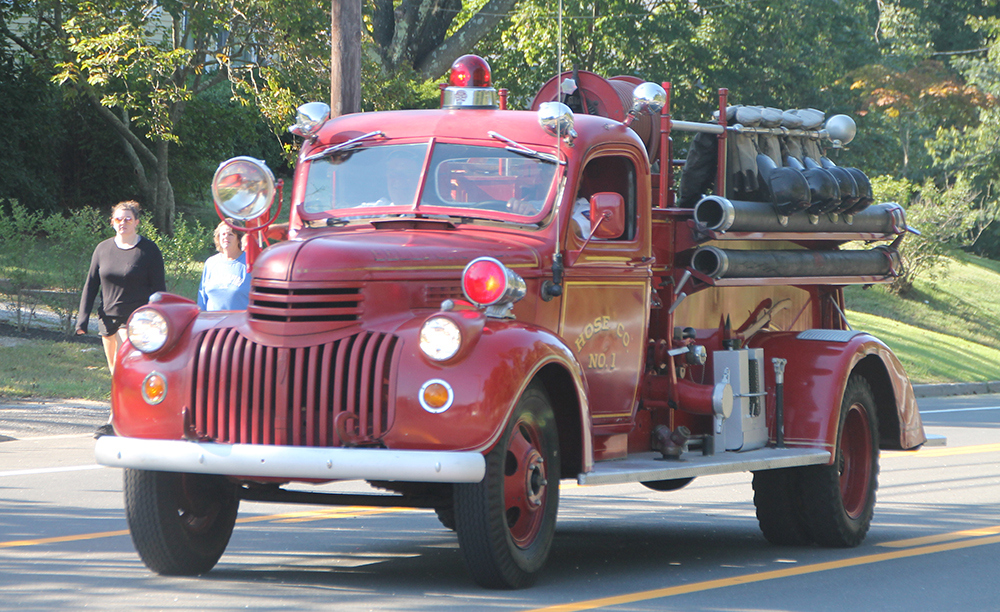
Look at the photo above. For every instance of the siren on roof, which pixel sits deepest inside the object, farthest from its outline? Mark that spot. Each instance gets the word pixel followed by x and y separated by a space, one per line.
pixel 469 85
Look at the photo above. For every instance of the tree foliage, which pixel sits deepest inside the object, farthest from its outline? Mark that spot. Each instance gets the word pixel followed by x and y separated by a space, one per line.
pixel 139 64
pixel 184 84
pixel 609 37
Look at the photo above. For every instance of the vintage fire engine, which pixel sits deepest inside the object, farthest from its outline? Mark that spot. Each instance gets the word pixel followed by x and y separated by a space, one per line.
pixel 472 303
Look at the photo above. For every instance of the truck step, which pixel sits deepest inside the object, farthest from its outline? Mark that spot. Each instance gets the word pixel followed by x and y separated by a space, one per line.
pixel 646 467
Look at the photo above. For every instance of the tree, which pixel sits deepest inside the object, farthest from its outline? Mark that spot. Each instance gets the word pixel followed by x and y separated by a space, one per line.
pixel 927 95
pixel 785 53
pixel 649 39
pixel 345 57
pixel 970 151
pixel 140 64
pixel 426 36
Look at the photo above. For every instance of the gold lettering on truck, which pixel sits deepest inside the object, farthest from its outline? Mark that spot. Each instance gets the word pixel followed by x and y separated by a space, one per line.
pixel 602 324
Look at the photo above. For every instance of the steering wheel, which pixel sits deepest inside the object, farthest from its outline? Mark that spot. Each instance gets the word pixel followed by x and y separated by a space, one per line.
pixel 497 205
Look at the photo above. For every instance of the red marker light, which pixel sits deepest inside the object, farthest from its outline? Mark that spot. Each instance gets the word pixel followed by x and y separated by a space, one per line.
pixel 485 281
pixel 470 71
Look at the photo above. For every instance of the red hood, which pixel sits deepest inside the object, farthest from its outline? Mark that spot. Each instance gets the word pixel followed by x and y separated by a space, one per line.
pixel 361 255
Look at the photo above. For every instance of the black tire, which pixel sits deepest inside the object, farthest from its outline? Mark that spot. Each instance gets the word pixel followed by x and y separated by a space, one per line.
pixel 840 498
pixel 180 523
pixel 780 512
pixel 673 484
pixel 446 514
pixel 506 522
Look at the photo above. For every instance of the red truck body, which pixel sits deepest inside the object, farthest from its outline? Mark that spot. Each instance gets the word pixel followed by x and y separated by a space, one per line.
pixel 369 351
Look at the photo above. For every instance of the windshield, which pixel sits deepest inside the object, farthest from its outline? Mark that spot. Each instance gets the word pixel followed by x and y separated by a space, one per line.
pixel 461 180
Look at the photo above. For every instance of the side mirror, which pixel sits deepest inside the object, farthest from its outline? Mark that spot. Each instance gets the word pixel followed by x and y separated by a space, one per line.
pixel 607 215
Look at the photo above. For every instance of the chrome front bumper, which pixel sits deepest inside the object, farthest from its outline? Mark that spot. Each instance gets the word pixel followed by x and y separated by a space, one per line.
pixel 290 462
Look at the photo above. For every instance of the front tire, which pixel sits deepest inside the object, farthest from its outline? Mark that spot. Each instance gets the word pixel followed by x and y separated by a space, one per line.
pixel 506 522
pixel 180 523
pixel 840 498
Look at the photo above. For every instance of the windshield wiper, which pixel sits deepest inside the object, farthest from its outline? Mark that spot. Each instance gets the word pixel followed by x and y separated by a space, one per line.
pixel 520 149
pixel 345 146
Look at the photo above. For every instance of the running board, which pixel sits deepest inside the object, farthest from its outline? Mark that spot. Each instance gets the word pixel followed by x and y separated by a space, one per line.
pixel 647 467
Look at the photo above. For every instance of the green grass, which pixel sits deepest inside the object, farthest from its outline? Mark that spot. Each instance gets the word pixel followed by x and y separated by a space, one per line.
pixel 947 329
pixel 961 300
pixel 47 369
pixel 932 357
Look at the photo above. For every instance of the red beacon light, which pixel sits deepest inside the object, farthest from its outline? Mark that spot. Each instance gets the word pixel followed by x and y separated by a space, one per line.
pixel 487 282
pixel 470 71
pixel 469 85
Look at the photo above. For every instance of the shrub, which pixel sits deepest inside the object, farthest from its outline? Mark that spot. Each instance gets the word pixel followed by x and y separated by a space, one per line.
pixel 183 253
pixel 71 244
pixel 947 218
pixel 44 258
pixel 18 248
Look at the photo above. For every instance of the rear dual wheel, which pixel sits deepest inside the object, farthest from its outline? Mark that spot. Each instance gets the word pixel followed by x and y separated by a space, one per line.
pixel 506 522
pixel 831 505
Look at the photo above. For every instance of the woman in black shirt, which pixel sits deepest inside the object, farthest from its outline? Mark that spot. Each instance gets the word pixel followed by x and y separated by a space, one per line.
pixel 127 269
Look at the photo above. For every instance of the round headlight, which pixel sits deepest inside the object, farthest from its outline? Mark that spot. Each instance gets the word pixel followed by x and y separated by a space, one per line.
pixel 147 330
pixel 440 338
pixel 243 188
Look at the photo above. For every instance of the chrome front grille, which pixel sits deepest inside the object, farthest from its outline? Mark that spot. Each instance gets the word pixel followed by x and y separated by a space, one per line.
pixel 245 392
pixel 279 302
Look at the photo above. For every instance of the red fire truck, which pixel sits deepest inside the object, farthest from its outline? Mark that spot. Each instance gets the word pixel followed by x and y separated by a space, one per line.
pixel 472 303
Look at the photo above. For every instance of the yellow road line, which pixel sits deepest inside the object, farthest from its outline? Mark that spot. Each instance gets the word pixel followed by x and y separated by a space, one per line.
pixel 709 585
pixel 342 513
pixel 286 517
pixel 944 452
pixel 58 539
pixel 312 515
pixel 942 537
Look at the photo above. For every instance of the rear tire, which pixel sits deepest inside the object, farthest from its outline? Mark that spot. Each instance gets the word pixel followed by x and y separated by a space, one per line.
pixel 180 523
pixel 674 484
pixel 506 522
pixel 780 514
pixel 840 498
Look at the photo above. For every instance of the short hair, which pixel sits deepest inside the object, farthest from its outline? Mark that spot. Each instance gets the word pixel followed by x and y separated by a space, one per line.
pixel 218 230
pixel 130 205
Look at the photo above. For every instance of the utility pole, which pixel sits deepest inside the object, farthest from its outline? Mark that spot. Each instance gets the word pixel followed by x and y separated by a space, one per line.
pixel 345 57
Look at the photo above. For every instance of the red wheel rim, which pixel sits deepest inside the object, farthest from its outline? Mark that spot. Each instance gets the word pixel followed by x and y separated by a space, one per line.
pixel 525 483
pixel 855 460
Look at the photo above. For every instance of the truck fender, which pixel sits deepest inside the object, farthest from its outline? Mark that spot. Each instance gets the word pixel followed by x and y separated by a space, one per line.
pixel 819 364
pixel 487 379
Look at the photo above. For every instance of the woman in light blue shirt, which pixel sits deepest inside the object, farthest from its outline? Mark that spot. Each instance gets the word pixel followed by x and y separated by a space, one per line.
pixel 225 282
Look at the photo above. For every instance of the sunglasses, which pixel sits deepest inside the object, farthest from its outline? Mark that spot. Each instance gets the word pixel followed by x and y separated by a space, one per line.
pixel 122 219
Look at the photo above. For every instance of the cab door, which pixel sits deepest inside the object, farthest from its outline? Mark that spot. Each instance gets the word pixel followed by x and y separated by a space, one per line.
pixel 606 292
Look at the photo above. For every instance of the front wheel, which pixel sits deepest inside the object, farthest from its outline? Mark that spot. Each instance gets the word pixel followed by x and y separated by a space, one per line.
pixel 839 499
pixel 180 523
pixel 506 522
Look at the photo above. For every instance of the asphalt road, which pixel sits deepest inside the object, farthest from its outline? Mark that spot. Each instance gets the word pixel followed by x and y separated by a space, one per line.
pixel 933 544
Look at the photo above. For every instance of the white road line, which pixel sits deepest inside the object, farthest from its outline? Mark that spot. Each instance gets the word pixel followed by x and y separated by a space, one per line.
pixel 73 468
pixel 960 410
